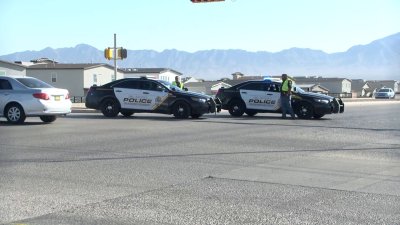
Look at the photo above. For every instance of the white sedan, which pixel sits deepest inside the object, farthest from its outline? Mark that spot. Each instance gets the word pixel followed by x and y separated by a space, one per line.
pixel 21 97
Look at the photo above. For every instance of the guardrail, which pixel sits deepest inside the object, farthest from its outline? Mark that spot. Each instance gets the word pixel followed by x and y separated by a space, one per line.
pixel 78 99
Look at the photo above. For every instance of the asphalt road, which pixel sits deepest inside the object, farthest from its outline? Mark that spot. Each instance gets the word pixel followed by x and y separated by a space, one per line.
pixel 154 169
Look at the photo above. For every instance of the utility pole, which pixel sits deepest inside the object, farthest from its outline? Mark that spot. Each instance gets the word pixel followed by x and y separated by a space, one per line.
pixel 115 56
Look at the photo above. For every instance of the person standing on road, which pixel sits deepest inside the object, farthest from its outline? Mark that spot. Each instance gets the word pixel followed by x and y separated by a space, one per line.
pixel 286 91
pixel 178 83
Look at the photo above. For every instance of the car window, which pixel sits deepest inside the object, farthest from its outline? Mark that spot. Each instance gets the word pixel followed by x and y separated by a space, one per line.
pixel 152 86
pixel 5 85
pixel 33 83
pixel 255 86
pixel 131 84
pixel 273 87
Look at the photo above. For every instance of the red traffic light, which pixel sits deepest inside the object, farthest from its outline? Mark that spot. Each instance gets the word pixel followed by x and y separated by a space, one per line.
pixel 203 1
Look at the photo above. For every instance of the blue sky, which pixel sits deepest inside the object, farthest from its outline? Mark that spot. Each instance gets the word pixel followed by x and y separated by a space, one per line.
pixel 253 25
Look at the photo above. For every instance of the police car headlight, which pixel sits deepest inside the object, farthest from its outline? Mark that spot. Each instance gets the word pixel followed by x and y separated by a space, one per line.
pixel 321 100
pixel 203 100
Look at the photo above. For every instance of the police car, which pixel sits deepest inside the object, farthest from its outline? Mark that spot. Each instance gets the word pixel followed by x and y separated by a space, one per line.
pixel 133 95
pixel 258 96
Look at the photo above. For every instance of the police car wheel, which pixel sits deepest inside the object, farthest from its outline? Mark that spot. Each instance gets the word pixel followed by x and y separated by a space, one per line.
pixel 236 108
pixel 251 112
pixel 110 108
pixel 181 110
pixel 196 116
pixel 305 110
pixel 48 119
pixel 15 114
pixel 127 113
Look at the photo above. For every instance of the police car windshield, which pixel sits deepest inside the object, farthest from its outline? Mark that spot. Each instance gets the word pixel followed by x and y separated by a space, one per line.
pixel 169 85
pixel 384 90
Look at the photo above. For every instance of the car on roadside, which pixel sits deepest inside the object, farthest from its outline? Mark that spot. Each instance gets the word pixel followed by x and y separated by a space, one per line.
pixel 22 97
pixel 385 93
pixel 135 95
pixel 262 96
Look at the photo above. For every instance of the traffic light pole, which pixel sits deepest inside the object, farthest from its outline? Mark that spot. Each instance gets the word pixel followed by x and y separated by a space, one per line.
pixel 115 56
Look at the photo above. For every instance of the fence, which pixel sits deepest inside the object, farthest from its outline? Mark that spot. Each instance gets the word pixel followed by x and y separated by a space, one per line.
pixel 341 95
pixel 78 99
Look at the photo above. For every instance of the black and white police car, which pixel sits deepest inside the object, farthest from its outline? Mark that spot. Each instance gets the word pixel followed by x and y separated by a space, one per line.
pixel 133 95
pixel 259 96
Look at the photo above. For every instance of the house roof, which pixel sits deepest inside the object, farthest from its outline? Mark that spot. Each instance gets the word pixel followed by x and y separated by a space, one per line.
pixel 358 84
pixel 14 64
pixel 319 79
pixel 149 70
pixel 312 85
pixel 84 66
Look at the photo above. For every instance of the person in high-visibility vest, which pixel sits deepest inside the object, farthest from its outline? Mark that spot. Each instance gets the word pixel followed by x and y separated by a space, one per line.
pixel 178 83
pixel 286 91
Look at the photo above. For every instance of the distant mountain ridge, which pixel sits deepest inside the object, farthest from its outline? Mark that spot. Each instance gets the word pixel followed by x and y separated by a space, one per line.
pixel 378 60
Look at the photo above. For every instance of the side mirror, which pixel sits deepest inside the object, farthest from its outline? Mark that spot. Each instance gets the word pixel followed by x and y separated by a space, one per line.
pixel 295 89
pixel 173 89
pixel 185 89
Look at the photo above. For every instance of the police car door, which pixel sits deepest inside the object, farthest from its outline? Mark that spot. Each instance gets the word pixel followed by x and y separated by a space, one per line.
pixel 129 94
pixel 254 95
pixel 273 96
pixel 156 94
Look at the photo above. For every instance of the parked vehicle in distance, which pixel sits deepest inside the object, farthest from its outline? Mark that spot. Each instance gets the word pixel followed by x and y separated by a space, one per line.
pixel 385 93
pixel 260 96
pixel 22 97
pixel 134 95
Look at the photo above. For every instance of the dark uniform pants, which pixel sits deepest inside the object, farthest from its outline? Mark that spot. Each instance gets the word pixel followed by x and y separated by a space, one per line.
pixel 286 106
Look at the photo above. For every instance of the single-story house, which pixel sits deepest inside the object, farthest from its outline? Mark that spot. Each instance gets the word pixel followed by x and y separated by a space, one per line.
pixel 334 85
pixel 77 78
pixel 10 68
pixel 360 88
pixel 377 84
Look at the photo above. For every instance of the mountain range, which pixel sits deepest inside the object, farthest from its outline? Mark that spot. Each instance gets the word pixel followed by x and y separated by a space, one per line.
pixel 378 60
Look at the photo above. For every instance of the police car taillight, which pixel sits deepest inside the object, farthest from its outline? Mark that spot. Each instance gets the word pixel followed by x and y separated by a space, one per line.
pixel 43 96
pixel 67 96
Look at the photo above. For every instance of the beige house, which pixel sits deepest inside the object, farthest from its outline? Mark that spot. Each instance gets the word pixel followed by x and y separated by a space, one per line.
pixel 77 78
pixel 334 85
pixel 9 68
pixel 360 88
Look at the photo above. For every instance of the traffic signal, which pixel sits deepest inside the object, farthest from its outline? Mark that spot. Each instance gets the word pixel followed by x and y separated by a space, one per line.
pixel 108 53
pixel 122 53
pixel 201 1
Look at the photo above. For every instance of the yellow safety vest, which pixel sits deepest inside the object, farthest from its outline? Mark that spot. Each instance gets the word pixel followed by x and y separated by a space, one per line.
pixel 181 84
pixel 285 86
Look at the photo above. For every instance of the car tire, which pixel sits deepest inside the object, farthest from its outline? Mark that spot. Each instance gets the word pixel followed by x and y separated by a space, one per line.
pixel 181 110
pixel 48 119
pixel 15 114
pixel 318 116
pixel 196 116
pixel 110 107
pixel 237 108
pixel 305 110
pixel 251 112
pixel 127 113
